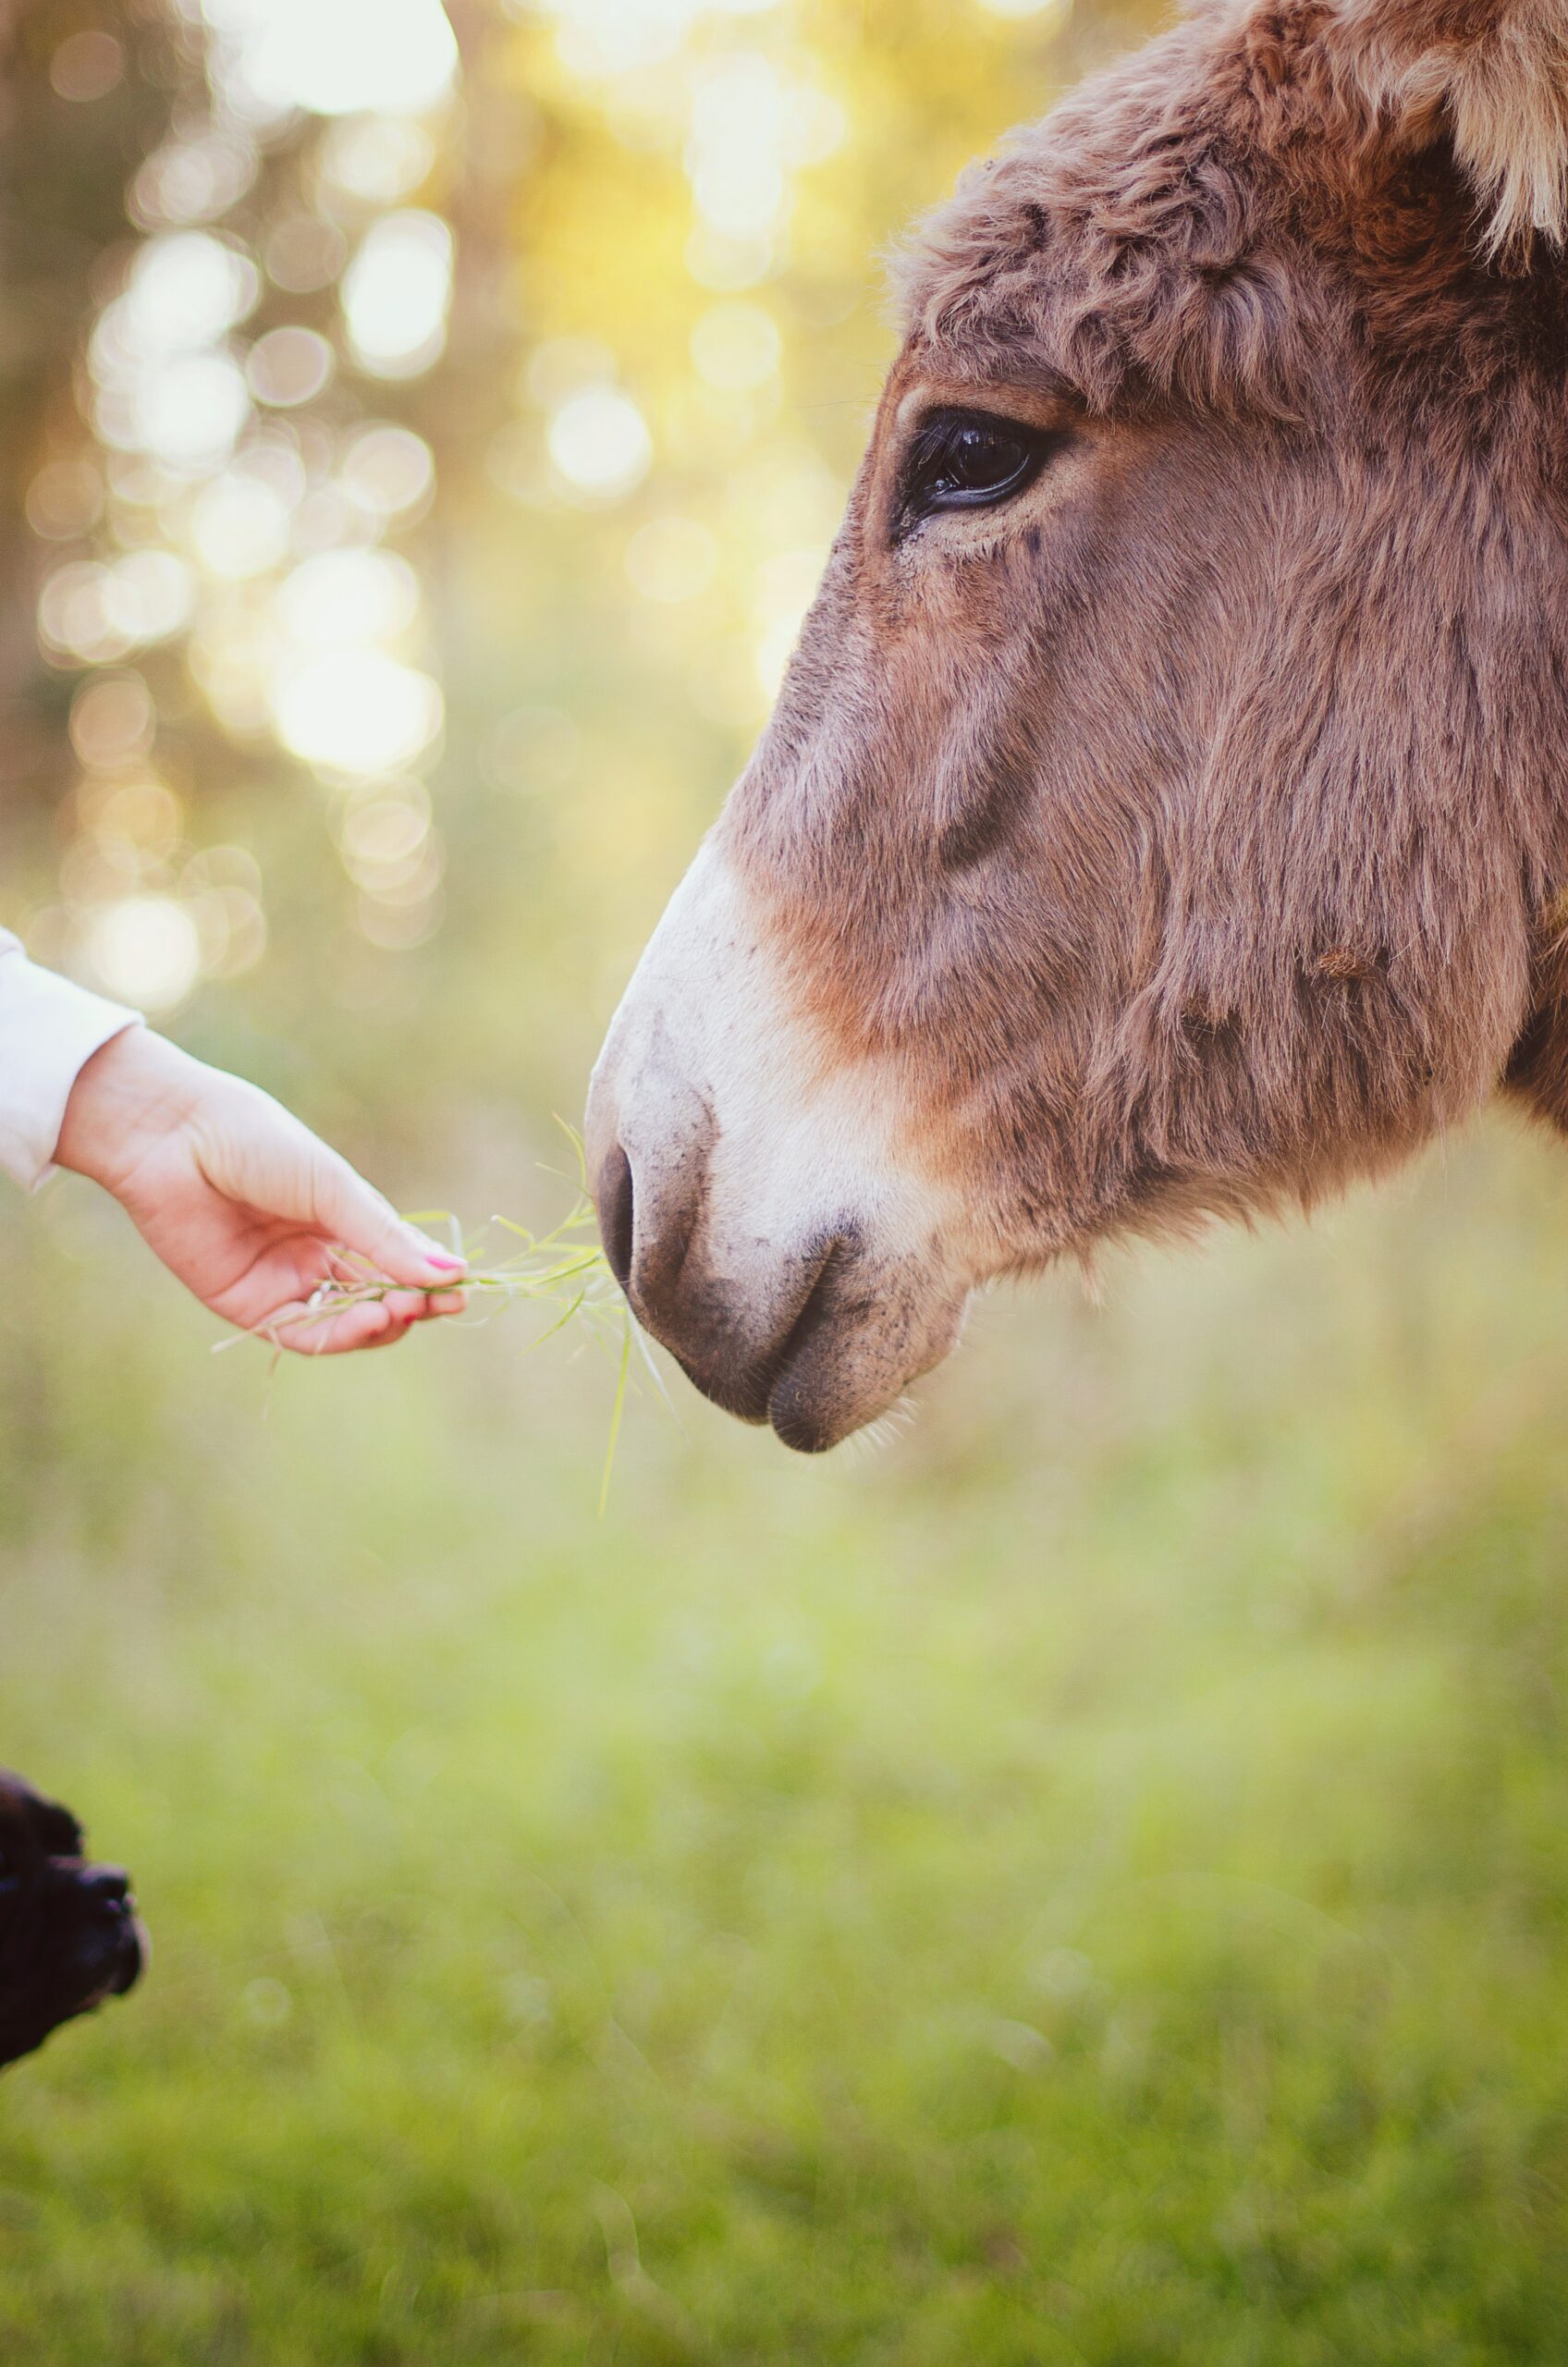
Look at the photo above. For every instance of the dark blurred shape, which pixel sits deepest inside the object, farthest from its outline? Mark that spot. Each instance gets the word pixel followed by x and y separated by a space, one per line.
pixel 68 1931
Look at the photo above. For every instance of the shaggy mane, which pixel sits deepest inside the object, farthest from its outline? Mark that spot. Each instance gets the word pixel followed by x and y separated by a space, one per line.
pixel 1493 74
pixel 1215 206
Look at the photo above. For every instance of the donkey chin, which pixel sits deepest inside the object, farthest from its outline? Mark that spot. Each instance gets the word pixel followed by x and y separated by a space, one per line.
pixel 757 1204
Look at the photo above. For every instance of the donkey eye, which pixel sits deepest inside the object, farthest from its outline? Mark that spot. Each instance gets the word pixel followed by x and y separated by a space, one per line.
pixel 966 459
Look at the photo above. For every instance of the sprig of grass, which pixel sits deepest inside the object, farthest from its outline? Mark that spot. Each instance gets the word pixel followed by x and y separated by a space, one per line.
pixel 563 1272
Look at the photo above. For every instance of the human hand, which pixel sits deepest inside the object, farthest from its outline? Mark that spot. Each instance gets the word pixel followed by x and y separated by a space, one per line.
pixel 241 1202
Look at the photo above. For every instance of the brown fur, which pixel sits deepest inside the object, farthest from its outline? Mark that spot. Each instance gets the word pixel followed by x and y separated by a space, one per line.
pixel 1188 831
pixel 1494 75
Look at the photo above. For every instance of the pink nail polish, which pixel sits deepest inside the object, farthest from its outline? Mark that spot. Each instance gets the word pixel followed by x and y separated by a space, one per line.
pixel 438 1258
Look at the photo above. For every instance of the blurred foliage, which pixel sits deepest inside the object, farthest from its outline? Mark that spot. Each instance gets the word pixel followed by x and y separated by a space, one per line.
pixel 423 494
pixel 1085 1883
pixel 1089 1885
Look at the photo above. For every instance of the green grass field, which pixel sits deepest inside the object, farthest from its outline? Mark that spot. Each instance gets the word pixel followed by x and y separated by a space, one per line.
pixel 1087 1882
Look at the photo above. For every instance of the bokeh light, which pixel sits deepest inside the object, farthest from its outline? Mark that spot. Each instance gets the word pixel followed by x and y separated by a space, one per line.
pixel 377 159
pixel 356 711
pixel 397 293
pixel 288 366
pixel 194 178
pixel 239 526
pixel 112 720
pixel 302 253
pixel 336 56
pixel 599 442
pixel 388 470
pixel 65 500
pixel 349 596
pixel 145 949
pixel 185 290
pixel 87 66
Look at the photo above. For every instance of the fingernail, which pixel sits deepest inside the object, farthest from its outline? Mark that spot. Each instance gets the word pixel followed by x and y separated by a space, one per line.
pixel 442 1259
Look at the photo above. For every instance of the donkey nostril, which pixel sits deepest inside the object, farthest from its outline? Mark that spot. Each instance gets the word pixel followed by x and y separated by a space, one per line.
pixel 615 1213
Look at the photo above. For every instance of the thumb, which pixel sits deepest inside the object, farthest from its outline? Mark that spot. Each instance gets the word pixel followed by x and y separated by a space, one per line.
pixel 355 1214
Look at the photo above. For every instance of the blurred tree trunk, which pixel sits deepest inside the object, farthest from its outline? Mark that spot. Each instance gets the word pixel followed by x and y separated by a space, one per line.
pixel 64 168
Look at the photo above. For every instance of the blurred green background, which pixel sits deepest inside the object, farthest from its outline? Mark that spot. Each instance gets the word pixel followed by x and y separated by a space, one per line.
pixel 1084 1882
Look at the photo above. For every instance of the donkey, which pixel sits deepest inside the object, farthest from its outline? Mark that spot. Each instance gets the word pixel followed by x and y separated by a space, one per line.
pixel 1165 816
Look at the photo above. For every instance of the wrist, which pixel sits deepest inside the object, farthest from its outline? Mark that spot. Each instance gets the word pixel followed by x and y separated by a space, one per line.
pixel 134 1091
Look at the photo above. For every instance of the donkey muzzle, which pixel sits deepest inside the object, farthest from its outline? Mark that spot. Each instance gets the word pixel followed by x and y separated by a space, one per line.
pixel 760 1201
pixel 815 1327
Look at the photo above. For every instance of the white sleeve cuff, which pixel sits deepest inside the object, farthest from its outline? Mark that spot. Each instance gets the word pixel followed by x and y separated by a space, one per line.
pixel 49 1029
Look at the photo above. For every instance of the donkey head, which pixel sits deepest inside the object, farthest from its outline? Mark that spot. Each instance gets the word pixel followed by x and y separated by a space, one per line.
pixel 1164 809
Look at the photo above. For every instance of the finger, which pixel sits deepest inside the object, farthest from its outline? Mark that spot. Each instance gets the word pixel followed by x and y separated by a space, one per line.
pixel 309 1331
pixel 353 1213
pixel 443 1302
pixel 390 1337
pixel 406 1307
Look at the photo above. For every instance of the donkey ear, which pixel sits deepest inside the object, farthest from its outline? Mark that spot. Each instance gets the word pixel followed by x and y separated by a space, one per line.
pixel 1490 74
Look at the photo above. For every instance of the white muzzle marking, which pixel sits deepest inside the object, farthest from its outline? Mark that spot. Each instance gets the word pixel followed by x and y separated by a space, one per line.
pixel 756 1181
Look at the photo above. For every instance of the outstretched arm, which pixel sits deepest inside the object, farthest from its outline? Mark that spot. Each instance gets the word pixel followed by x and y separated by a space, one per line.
pixel 240 1200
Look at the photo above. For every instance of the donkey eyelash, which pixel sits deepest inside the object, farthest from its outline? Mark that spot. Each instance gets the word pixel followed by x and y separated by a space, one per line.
pixel 969 460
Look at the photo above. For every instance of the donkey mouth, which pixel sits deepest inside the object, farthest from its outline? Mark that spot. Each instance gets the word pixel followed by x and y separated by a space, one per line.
pixel 788 1384
pixel 797 1403
pixel 816 1335
pixel 859 1333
